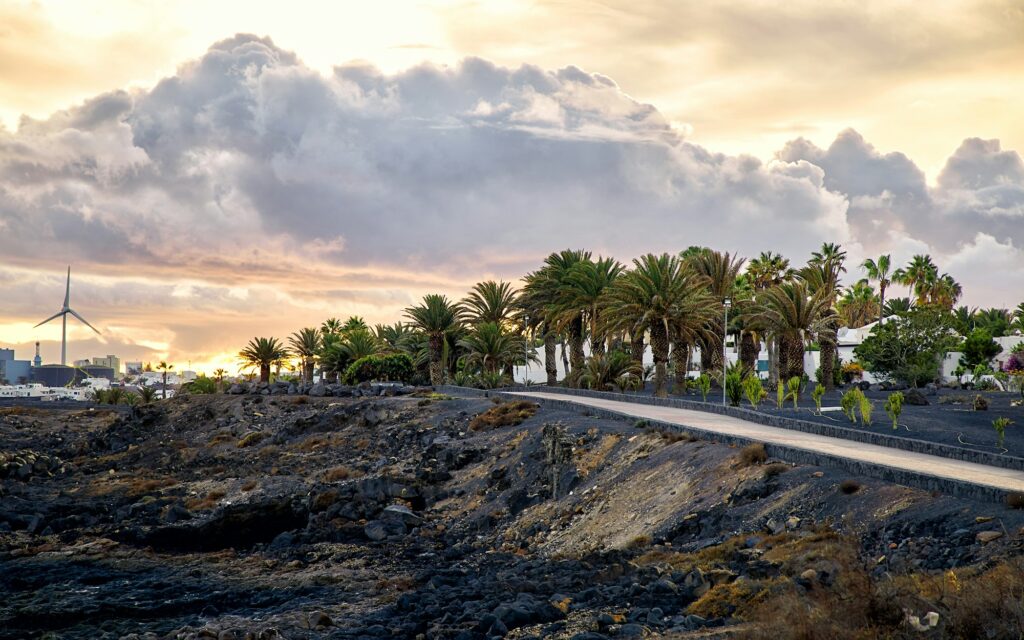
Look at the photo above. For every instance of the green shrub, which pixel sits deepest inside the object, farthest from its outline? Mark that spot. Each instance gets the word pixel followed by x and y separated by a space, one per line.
pixel 1000 424
pixel 794 390
pixel 866 408
pixel 780 394
pixel 754 390
pixel 734 386
pixel 396 367
pixel 704 385
pixel 894 407
pixel 200 386
pixel 816 395
pixel 850 401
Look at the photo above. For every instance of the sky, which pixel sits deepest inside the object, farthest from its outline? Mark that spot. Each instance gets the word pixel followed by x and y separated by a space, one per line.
pixel 216 171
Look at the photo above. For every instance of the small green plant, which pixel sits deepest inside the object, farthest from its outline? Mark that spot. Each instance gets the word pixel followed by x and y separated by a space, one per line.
pixel 780 394
pixel 866 408
pixel 754 389
pixel 816 395
pixel 704 385
pixel 850 401
pixel 894 407
pixel 1000 424
pixel 734 386
pixel 794 390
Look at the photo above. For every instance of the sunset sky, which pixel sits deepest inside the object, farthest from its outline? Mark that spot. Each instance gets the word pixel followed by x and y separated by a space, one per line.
pixel 218 170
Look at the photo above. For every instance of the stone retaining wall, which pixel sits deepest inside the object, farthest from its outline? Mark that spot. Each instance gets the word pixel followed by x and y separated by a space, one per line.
pixel 958 488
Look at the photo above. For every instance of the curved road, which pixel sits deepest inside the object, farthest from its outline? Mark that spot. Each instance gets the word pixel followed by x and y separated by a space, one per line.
pixel 1004 479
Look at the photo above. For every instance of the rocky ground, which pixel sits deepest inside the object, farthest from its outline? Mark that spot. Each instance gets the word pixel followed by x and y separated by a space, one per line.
pixel 425 516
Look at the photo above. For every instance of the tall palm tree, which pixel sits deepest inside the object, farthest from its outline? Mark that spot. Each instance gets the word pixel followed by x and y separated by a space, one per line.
pixel 858 305
pixel 580 292
pixel 768 270
pixel 944 292
pixel 306 344
pixel 354 323
pixel 263 353
pixel 435 316
pixel 544 295
pixel 164 367
pixel 879 270
pixel 822 274
pixel 720 270
pixel 393 338
pixel 795 316
pixel 918 275
pixel 659 292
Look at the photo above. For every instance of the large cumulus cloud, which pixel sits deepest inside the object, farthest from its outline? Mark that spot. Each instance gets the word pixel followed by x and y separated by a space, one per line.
pixel 247 168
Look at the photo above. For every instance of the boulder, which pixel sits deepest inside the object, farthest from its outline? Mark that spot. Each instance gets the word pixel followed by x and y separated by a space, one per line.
pixel 383 529
pixel 916 398
pixel 985 537
pixel 236 389
pixel 318 390
pixel 401 513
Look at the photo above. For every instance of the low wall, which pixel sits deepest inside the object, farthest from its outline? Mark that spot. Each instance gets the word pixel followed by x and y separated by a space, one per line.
pixel 958 488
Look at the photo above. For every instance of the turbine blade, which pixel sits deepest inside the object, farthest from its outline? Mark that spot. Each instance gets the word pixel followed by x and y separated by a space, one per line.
pixel 82 320
pixel 53 317
pixel 67 291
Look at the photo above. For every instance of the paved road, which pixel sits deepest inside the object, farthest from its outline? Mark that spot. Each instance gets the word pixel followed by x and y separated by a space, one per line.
pixel 1005 479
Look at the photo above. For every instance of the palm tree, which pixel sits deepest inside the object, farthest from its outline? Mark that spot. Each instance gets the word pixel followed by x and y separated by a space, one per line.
pixel 880 271
pixel 435 317
pixel 822 275
pixel 146 394
pixel 918 275
pixel 263 353
pixel 944 292
pixel 720 271
pixel 768 270
pixel 614 370
pixel 359 343
pixel 859 305
pixel 331 327
pixel 542 298
pixel 393 338
pixel 1018 318
pixel 490 301
pixel 795 316
pixel 164 367
pixel 306 343
pixel 657 294
pixel 898 307
pixel 580 292
pixel 996 321
pixel 493 348
pixel 354 323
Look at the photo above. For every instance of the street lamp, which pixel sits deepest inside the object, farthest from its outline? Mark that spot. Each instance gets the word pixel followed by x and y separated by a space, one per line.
pixel 725 348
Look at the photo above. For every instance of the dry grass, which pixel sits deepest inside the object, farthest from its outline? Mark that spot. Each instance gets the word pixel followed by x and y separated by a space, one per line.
pixel 753 454
pixel 208 501
pixel 340 473
pixel 249 485
pixel 639 542
pixel 507 414
pixel 251 438
pixel 221 438
pixel 592 458
pixel 775 469
pixel 312 443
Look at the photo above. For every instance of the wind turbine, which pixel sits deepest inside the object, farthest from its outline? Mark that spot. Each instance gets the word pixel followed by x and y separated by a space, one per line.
pixel 63 314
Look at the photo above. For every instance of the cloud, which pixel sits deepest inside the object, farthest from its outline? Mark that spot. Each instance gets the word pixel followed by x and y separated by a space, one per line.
pixel 358 191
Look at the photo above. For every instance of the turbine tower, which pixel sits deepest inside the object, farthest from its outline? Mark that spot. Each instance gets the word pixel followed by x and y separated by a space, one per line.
pixel 63 314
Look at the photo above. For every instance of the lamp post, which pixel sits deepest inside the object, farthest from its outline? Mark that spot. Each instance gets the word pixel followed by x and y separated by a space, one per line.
pixel 725 346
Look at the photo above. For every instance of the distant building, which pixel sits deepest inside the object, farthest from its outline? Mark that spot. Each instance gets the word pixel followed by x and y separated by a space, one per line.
pixel 81 363
pixel 14 371
pixel 133 368
pixel 112 362
pixel 55 375
pixel 38 360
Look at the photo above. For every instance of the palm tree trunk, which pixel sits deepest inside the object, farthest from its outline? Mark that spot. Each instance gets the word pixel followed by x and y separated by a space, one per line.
pixel 794 348
pixel 596 345
pixel 264 373
pixel 828 360
pixel 576 346
pixel 881 302
pixel 773 357
pixel 436 355
pixel 680 354
pixel 781 359
pixel 748 351
pixel 706 357
pixel 636 347
pixel 550 366
pixel 565 357
pixel 659 345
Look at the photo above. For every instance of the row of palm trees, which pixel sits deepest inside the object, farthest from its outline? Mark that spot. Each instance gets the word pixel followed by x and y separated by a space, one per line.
pixel 674 302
